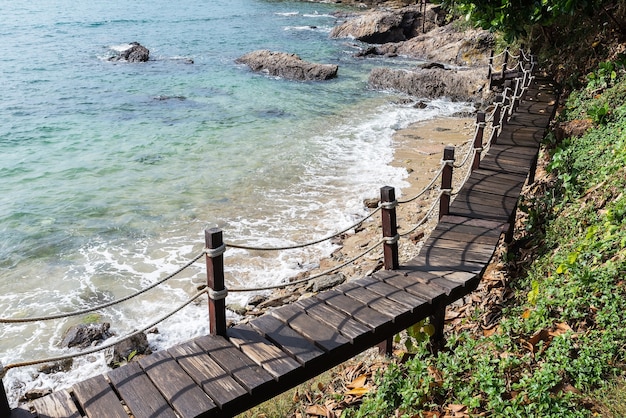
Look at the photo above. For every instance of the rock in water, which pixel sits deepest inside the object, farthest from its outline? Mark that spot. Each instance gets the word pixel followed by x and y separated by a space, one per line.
pixel 82 335
pixel 288 66
pixel 136 53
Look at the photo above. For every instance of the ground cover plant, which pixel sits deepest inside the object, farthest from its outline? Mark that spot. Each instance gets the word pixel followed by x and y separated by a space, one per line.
pixel 559 347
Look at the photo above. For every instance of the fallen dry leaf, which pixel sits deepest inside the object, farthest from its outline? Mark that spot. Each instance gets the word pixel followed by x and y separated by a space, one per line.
pixel 317 410
pixel 357 391
pixel 358 382
pixel 456 408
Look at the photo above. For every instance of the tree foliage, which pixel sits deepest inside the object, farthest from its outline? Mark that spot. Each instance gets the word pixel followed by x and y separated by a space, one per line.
pixel 514 17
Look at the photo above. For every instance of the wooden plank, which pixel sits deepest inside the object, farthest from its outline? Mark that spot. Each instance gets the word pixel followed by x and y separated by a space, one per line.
pixel 289 341
pixel 249 375
pixel 465 247
pixel 429 291
pixel 262 352
pixel 223 389
pixel 357 310
pixel 313 330
pixel 394 293
pixel 375 301
pixel 139 393
pixel 436 263
pixel 472 222
pixel 481 256
pixel 57 404
pixel 355 331
pixel 493 185
pixel 461 233
pixel 97 398
pixel 185 396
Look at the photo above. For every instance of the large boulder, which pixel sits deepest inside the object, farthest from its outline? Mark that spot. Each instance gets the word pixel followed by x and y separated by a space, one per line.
pixel 447 44
pixel 383 26
pixel 135 53
pixel 288 66
pixel 458 85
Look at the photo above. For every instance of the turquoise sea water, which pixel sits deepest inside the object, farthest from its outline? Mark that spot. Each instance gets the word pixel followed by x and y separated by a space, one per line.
pixel 110 171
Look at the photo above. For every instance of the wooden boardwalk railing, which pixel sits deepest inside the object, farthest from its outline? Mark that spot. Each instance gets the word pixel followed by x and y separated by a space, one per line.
pixel 221 376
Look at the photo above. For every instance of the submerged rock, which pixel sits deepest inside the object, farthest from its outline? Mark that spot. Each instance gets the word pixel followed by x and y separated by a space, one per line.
pixel 85 335
pixel 288 66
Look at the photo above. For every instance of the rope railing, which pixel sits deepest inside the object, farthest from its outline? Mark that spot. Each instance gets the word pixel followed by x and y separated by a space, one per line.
pixel 306 244
pixel 102 306
pixel 99 348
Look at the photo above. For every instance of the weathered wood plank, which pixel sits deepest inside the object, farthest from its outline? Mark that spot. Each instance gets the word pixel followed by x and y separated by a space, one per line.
pixel 57 404
pixel 289 341
pixel 97 398
pixel 185 396
pixel 394 293
pixel 408 281
pixel 355 331
pixel 357 310
pixel 276 362
pixel 139 393
pixel 245 371
pixel 313 330
pixel 375 301
pixel 223 389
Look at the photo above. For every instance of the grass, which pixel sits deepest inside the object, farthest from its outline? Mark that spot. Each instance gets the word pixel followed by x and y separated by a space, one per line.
pixel 558 350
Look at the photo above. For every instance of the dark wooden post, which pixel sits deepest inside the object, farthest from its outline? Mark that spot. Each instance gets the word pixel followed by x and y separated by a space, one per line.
pixel 5 409
pixel 490 69
pixel 505 62
pixel 526 82
pixel 446 181
pixel 495 122
pixel 507 103
pixel 390 227
pixel 478 139
pixel 438 321
pixel 215 280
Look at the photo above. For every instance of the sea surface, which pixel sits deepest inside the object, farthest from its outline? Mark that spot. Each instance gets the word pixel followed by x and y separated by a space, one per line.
pixel 110 171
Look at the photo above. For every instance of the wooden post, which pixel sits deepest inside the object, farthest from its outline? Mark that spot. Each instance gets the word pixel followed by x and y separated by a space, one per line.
pixel 490 70
pixel 215 280
pixel 495 122
pixel 390 227
pixel 438 321
pixel 507 103
pixel 478 139
pixel 505 62
pixel 423 16
pixel 446 181
pixel 5 409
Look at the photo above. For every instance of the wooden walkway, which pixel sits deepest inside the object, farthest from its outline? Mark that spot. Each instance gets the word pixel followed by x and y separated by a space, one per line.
pixel 216 376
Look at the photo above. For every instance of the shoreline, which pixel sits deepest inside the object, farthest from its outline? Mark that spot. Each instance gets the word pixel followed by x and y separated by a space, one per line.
pixel 418 148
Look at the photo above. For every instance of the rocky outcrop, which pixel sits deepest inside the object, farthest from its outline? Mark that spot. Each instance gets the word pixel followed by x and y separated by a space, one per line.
pixel 85 335
pixel 130 348
pixel 135 53
pixel 289 66
pixel 459 85
pixel 469 47
pixel 379 27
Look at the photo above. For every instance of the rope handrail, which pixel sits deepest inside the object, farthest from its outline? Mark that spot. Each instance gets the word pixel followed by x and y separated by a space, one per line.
pixel 104 305
pixel 306 244
pixel 470 152
pixel 424 218
pixel 102 347
pixel 426 188
pixel 315 276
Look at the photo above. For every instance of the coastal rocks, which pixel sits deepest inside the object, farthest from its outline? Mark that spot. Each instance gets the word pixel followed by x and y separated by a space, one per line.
pixel 289 66
pixel 446 44
pixel 85 335
pixel 135 53
pixel 457 85
pixel 128 349
pixel 379 27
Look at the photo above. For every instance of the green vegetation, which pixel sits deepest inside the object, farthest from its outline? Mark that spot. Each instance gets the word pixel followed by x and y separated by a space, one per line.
pixel 516 19
pixel 558 350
